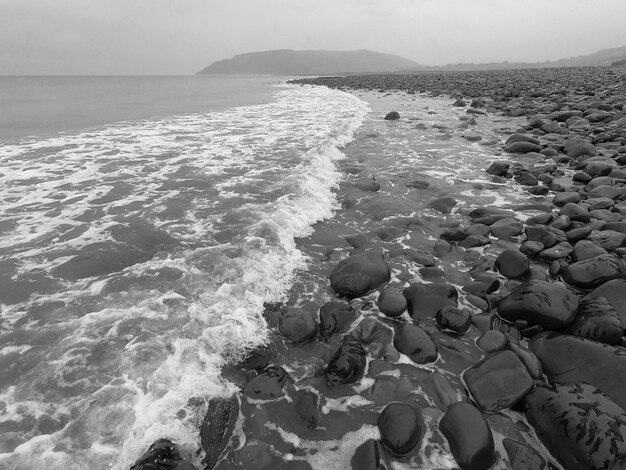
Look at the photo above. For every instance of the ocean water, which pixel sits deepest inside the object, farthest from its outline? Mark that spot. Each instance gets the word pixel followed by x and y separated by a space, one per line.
pixel 136 256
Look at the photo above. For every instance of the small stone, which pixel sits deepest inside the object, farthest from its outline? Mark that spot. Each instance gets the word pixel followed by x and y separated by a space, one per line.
pixel 392 116
pixel 523 456
pixel 268 385
pixel 506 228
pixel 498 168
pixel 336 317
pixel 425 300
pixel 595 271
pixel 371 455
pixel 297 326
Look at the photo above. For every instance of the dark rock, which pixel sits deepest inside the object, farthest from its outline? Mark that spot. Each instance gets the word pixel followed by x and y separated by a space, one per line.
pixel 577 234
pixel 513 264
pixel 536 302
pixel 360 273
pixel 469 436
pixel 562 222
pixel 585 249
pixel 506 228
pixel 306 404
pixel 540 219
pixel 368 184
pixel 578 147
pixel 400 427
pixel 432 273
pixel 348 363
pixel 336 317
pixel 454 319
pixel 597 320
pixel 531 248
pixel 608 239
pixel 443 204
pixel 573 360
pixel 498 381
pixel 523 456
pixel 615 292
pixel 268 385
pixel 392 302
pixel 522 147
pixel 416 343
pixel 392 116
pixel 538 190
pixel 521 138
pixel 425 259
pixel 545 234
pixel 566 197
pixel 605 190
pixel 371 455
pixel 498 168
pixel 557 252
pixel 491 341
pixel 425 300
pixel 162 455
pixel 217 428
pixel 297 326
pixel 474 241
pixel 526 179
pixel 488 215
pixel 593 272
pixel 581 427
pixel 530 361
pixel 459 103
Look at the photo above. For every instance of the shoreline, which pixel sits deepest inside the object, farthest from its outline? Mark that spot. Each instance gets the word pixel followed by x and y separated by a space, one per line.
pixel 458 345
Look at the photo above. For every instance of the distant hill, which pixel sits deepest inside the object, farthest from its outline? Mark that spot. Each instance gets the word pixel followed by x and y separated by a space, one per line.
pixel 289 62
pixel 613 56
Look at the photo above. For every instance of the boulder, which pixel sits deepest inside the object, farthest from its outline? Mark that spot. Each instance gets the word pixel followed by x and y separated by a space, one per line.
pixel 592 272
pixel 575 212
pixel 548 304
pixel 528 358
pixel 306 405
pixel 358 274
pixel 469 436
pixel 572 360
pixel 368 184
pixel 400 426
pixel 425 300
pixel 597 320
pixel 336 317
pixel 608 239
pixel 580 426
pixel 347 364
pixel 498 381
pixel 416 343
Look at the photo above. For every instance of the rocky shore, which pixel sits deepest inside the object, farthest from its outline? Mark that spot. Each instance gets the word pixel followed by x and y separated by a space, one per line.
pixel 518 360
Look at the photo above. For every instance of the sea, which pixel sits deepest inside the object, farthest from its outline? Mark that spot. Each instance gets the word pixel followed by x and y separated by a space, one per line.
pixel 147 222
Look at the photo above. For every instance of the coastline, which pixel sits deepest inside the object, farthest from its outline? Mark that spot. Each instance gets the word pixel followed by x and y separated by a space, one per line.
pixel 331 370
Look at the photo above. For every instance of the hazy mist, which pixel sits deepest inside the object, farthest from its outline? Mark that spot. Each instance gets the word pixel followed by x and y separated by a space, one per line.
pixel 174 37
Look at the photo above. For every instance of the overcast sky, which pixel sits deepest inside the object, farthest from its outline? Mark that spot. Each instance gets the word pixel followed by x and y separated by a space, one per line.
pixel 183 36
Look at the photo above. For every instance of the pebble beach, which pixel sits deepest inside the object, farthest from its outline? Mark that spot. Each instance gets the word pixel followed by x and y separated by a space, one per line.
pixel 464 309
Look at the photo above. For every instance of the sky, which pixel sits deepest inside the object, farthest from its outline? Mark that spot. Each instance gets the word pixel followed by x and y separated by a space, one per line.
pixel 180 37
